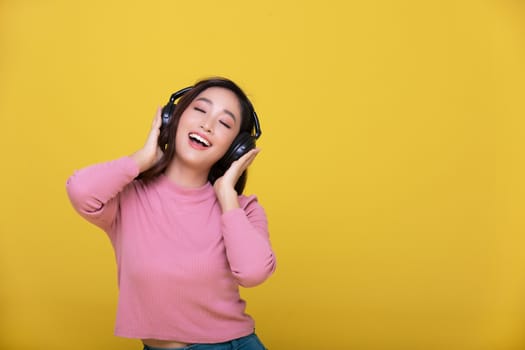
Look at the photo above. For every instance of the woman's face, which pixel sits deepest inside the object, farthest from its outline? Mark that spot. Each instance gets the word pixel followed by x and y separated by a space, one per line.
pixel 207 128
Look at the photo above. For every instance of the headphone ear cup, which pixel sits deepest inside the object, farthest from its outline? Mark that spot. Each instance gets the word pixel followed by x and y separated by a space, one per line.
pixel 243 143
pixel 166 113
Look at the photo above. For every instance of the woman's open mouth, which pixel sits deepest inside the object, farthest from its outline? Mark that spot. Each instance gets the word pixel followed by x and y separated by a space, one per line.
pixel 198 141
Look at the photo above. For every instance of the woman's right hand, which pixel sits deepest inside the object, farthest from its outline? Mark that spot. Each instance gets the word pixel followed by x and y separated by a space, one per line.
pixel 150 153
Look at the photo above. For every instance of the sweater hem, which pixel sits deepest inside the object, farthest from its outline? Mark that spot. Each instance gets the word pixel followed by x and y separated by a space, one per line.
pixel 182 339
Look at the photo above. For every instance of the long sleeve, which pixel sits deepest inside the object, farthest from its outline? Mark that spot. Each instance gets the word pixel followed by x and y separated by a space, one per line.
pixel 248 248
pixel 93 190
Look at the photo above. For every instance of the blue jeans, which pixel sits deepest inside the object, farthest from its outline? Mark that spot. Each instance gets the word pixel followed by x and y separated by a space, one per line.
pixel 249 342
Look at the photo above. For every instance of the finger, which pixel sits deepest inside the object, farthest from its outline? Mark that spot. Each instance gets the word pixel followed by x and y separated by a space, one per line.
pixel 250 156
pixel 157 120
pixel 244 162
pixel 250 159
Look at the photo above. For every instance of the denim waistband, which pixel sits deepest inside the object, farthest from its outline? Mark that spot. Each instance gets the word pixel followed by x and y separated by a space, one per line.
pixel 232 344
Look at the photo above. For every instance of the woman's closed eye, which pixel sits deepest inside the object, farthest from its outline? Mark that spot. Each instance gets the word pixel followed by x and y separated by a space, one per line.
pixel 225 124
pixel 199 109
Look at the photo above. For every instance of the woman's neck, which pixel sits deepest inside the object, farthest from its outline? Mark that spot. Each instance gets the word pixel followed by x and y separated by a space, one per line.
pixel 185 176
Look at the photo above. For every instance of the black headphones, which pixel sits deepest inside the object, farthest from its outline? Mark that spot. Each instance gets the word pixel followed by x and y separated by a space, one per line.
pixel 243 143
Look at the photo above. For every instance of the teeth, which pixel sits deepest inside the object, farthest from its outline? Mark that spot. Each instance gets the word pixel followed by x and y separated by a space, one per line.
pixel 200 139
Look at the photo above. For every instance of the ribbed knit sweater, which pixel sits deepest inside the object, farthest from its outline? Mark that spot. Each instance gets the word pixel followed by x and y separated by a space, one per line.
pixel 180 259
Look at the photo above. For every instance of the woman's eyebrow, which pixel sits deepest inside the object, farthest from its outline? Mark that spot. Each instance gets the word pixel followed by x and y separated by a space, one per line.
pixel 204 99
pixel 225 111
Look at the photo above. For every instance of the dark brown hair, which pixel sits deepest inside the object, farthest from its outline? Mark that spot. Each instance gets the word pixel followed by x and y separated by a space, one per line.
pixel 167 135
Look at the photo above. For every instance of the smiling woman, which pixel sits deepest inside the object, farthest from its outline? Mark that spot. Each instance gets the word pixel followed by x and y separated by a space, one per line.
pixel 215 100
pixel 206 125
pixel 184 236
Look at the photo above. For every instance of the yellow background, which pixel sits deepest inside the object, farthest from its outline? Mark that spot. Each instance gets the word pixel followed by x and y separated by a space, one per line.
pixel 392 162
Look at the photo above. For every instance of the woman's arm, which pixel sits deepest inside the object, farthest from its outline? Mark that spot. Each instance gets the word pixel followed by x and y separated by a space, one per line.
pixel 244 228
pixel 247 241
pixel 94 190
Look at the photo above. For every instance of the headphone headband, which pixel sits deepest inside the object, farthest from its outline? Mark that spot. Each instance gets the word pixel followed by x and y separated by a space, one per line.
pixel 175 96
pixel 256 125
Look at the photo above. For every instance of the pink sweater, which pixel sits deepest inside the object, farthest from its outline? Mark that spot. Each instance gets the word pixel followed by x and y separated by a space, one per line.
pixel 180 259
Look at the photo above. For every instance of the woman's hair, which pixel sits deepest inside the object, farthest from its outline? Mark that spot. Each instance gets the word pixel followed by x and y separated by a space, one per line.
pixel 166 140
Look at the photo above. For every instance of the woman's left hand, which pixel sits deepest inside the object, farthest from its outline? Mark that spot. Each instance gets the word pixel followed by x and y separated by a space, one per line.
pixel 225 185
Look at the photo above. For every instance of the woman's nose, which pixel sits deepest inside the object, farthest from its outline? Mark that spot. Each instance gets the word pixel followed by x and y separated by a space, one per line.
pixel 207 125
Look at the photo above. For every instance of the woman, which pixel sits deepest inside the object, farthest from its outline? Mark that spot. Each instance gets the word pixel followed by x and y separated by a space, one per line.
pixel 184 236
